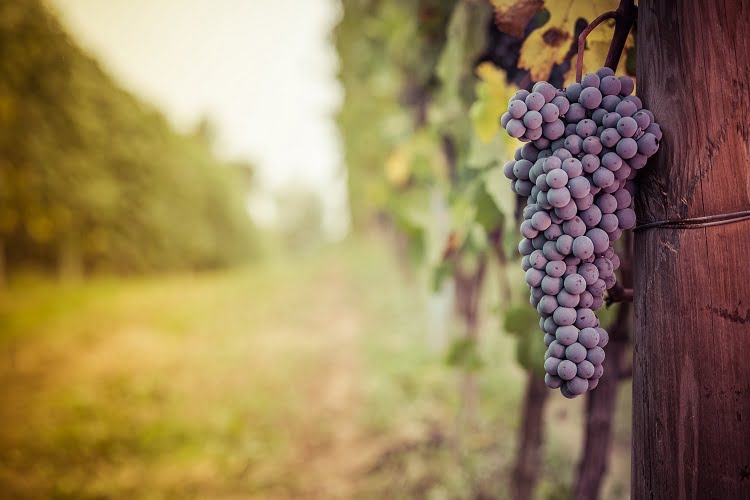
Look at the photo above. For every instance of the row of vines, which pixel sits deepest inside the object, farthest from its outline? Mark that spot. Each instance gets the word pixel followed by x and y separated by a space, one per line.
pixel 425 85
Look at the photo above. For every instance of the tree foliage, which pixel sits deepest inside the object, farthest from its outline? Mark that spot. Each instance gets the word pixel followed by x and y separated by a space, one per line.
pixel 90 175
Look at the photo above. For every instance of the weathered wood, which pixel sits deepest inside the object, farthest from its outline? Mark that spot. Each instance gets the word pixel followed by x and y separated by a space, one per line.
pixel 691 380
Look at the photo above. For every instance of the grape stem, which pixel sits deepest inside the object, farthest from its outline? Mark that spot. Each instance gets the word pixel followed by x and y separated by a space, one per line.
pixel 624 18
pixel 618 293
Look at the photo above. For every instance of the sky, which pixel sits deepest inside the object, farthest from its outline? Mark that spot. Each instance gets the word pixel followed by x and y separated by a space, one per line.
pixel 264 71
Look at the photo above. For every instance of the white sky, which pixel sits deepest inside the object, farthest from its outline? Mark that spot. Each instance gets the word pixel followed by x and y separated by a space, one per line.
pixel 264 71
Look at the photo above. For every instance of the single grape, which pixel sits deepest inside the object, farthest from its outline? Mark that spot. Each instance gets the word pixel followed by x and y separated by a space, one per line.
pixel 520 95
pixel 626 108
pixel 627 126
pixel 566 335
pixel 610 119
pixel 532 119
pixel 558 197
pixel 542 143
pixel 521 169
pixel 590 80
pixel 642 119
pixel 598 115
pixel 568 211
pixel 547 304
pixel 626 218
pixel 627 85
pixel 555 268
pixel 610 137
pixel 585 128
pixel 611 161
pixel 574 227
pixel 590 163
pixel 566 299
pixel 575 113
pixel 589 338
pixel 627 148
pixel 553 231
pixel 527 230
pixel 567 370
pixel 586 300
pixel 551 364
pixel 556 179
pixel 574 284
pixel 603 337
pixel 610 103
pixel 599 238
pixel 515 128
pixel 585 202
pixel 648 144
pixel 583 247
pixel 517 109
pixel 533 133
pixel 550 327
pixel 591 97
pixel 562 104
pixel 591 216
pixel 593 382
pixel 585 318
pixel 548 338
pixel 573 91
pixel 577 385
pixel 609 222
pixel 573 167
pixel 603 178
pixel 570 129
pixel 585 369
pixel 504 119
pixel 566 392
pixel 655 129
pixel 635 100
pixel 597 289
pixel 579 187
pixel 525 264
pixel 550 251
pixel 549 113
pixel 551 286
pixel 534 277
pixel 540 220
pixel 564 244
pixel 523 187
pixel 575 352
pixel 574 144
pixel 525 247
pixel 604 71
pixel 592 145
pixel 607 203
pixel 595 355
pixel 564 316
pixel 553 130
pixel 538 260
pixel 553 381
pixel 610 85
pixel 535 101
pixel 547 90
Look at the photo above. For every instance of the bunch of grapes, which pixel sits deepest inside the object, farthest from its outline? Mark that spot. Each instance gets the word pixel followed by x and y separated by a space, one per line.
pixel 584 146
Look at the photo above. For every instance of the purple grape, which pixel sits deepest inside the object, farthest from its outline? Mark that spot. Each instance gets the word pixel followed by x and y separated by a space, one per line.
pixel 553 231
pixel 540 220
pixel 553 130
pixel 585 318
pixel 610 137
pixel 568 211
pixel 564 316
pixel 583 247
pixel 574 227
pixel 589 338
pixel 585 128
pixel 635 100
pixel 603 337
pixel 533 133
pixel 564 244
pixel 609 222
pixel 537 260
pixel 558 197
pixel 585 369
pixel 577 386
pixel 610 103
pixel 547 304
pixel 610 119
pixel 572 167
pixel 556 179
pixel 566 335
pixel 566 299
pixel 527 230
pixel 550 251
pixel 586 299
pixel 542 142
pixel 604 71
pixel 610 85
pixel 515 128
pixel 575 284
pixel 567 370
pixel 551 286
pixel 573 91
pixel 585 202
pixel 525 247
pixel 627 126
pixel 626 218
pixel 595 355
pixel 535 101
pixel 603 178
pixel 575 352
pixel 591 216
pixel 579 187
pixel 555 268
pixel 648 144
pixel 521 169
pixel 547 90
pixel 551 364
pixel 592 145
pixel 611 161
pixel 590 80
pixel 550 326
pixel 599 238
pixel 504 119
pixel 627 148
pixel 532 119
pixel 627 85
pixel 534 277
pixel 554 382
pixel 607 203
pixel 626 108
pixel 549 113
pixel 655 129
pixel 575 113
pixel 517 109
pixel 548 339
pixel 591 98
pixel 562 104
pixel 642 119
pixel 590 163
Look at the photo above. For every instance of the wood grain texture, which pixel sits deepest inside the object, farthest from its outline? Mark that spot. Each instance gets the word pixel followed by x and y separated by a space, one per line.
pixel 691 380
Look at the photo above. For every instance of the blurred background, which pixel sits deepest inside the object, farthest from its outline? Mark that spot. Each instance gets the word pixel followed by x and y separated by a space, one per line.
pixel 265 249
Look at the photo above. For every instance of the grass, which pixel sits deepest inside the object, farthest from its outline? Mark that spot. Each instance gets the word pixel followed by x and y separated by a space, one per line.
pixel 305 377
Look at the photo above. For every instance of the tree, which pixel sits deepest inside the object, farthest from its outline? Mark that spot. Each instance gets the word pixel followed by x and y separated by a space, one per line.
pixel 691 381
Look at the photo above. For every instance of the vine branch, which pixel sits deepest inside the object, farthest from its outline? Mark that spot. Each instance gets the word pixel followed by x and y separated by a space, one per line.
pixel 624 17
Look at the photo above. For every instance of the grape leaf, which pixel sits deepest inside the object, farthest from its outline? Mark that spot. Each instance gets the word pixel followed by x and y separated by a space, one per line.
pixel 512 16
pixel 549 44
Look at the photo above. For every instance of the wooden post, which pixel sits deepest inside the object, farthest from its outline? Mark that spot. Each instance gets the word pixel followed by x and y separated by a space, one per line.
pixel 691 381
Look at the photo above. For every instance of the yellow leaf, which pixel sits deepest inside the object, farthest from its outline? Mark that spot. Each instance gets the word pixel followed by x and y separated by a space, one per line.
pixel 549 44
pixel 398 167
pixel 493 92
